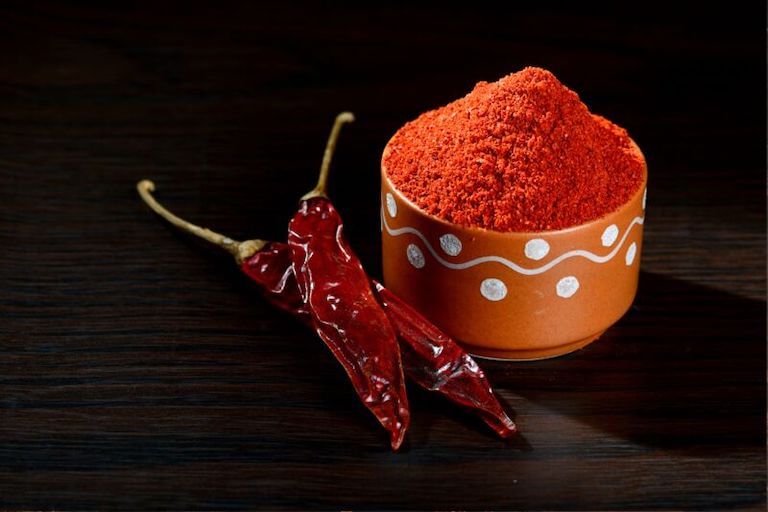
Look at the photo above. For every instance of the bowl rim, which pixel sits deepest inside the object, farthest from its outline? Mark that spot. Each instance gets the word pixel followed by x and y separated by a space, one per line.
pixel 485 232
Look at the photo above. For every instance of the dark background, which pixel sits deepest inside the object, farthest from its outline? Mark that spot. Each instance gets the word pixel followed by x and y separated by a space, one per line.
pixel 139 370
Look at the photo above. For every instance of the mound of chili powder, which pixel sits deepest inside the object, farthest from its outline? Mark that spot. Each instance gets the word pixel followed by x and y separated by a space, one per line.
pixel 520 154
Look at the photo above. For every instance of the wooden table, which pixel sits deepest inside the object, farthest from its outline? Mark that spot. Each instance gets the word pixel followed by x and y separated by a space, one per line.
pixel 139 370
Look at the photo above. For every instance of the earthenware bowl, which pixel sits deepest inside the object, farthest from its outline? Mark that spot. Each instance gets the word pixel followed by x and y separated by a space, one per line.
pixel 513 296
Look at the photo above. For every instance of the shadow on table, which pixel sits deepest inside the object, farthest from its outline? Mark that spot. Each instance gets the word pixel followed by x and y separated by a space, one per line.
pixel 685 368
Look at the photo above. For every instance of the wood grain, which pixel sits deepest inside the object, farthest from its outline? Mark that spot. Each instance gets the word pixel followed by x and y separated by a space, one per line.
pixel 139 370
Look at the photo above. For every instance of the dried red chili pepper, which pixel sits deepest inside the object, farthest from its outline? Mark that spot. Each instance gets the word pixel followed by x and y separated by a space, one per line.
pixel 345 313
pixel 433 360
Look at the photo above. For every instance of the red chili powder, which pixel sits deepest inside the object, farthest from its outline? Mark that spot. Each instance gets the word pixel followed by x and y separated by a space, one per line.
pixel 520 154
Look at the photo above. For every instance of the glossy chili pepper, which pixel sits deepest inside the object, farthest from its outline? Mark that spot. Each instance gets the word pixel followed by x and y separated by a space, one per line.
pixel 345 313
pixel 432 359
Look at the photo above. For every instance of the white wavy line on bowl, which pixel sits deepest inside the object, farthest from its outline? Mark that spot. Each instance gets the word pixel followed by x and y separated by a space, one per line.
pixel 514 266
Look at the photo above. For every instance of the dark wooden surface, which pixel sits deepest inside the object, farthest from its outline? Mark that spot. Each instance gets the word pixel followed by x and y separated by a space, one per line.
pixel 139 370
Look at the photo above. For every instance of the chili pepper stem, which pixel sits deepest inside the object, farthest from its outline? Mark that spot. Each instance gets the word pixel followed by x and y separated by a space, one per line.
pixel 240 250
pixel 322 180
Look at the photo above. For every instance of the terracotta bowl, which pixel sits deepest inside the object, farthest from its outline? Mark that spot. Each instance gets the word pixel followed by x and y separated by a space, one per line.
pixel 513 296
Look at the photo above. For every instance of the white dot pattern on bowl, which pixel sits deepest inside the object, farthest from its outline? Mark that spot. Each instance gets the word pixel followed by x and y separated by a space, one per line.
pixel 391 205
pixel 493 289
pixel 450 244
pixel 609 235
pixel 439 252
pixel 415 256
pixel 631 252
pixel 536 249
pixel 567 286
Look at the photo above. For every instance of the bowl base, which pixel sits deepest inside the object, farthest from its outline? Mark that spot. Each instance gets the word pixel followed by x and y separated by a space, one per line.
pixel 530 354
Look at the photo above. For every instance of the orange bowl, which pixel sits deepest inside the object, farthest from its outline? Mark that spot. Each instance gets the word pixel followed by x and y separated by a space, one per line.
pixel 510 295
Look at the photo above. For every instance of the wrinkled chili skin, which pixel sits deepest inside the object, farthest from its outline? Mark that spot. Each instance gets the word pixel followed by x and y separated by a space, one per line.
pixel 347 315
pixel 437 363
pixel 272 269
pixel 430 358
